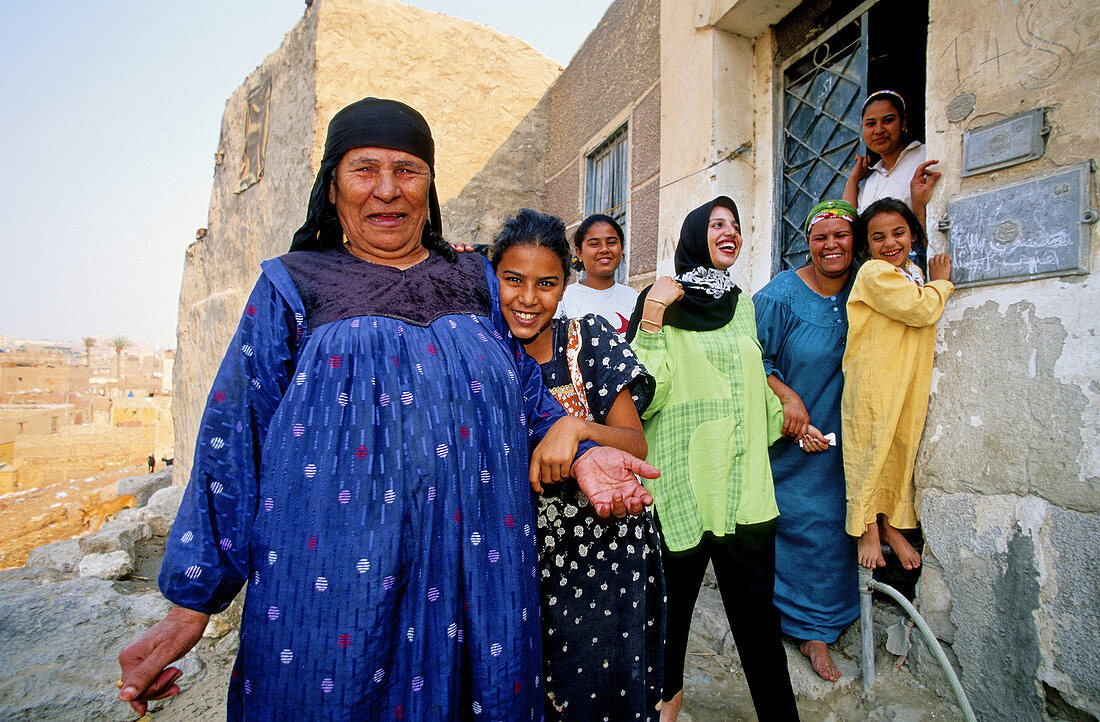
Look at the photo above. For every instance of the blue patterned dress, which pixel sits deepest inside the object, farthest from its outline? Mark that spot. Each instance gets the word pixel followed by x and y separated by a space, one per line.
pixel 362 467
pixel 803 335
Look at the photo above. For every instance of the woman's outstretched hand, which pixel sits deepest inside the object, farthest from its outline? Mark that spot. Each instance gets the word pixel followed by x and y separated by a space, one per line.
pixel 146 675
pixel 607 477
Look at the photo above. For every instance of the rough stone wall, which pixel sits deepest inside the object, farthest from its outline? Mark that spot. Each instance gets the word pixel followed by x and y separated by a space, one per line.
pixel 472 84
pixel 578 112
pixel 618 62
pixel 612 79
pixel 1009 472
pixel 512 179
pixel 243 228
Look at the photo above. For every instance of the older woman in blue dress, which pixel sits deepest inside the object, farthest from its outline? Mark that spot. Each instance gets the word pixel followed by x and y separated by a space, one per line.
pixel 363 467
pixel 801 321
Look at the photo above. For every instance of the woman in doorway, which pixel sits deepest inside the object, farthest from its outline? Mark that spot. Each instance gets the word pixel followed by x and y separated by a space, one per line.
pixel 802 323
pixel 901 172
pixel 598 243
pixel 709 427
pixel 602 589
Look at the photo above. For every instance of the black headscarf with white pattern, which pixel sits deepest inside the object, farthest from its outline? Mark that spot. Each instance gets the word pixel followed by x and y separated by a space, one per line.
pixel 710 295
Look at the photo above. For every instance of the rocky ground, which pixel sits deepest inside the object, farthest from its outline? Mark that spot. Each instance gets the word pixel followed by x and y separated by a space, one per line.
pixel 65 616
pixel 60 474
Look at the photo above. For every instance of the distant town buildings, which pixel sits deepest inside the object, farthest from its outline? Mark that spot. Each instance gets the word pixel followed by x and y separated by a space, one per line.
pixel 46 386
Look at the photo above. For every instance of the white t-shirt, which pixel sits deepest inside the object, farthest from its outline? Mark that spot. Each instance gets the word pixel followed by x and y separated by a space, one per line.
pixel 614 304
pixel 893 183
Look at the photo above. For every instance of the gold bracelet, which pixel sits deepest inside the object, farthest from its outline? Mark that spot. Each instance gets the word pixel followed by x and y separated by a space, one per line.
pixel 656 300
pixel 654 324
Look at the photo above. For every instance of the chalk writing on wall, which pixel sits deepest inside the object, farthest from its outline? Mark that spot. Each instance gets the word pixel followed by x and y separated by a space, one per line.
pixel 1027 230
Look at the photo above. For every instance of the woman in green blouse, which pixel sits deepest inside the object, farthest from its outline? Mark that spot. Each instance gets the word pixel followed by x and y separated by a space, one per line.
pixel 709 427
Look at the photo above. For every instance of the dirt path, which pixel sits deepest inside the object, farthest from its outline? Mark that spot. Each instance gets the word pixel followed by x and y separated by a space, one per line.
pixel 71 469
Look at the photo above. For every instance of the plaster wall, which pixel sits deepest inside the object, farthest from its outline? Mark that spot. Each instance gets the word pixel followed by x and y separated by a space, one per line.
pixel 710 90
pixel 1009 471
pixel 687 81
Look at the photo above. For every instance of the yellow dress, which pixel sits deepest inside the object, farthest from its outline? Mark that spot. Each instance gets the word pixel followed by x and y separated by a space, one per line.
pixel 887 375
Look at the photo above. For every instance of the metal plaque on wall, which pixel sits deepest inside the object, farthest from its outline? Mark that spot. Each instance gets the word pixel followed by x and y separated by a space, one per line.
pixel 1005 143
pixel 255 134
pixel 1032 229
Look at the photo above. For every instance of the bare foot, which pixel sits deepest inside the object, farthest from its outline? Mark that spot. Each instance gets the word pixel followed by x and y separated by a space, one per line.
pixel 870 548
pixel 818 654
pixel 671 709
pixel 909 557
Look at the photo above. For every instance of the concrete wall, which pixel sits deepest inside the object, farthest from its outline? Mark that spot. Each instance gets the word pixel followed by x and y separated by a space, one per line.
pixel 1009 469
pixel 473 85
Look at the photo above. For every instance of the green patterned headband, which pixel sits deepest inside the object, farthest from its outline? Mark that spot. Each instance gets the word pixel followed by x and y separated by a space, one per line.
pixel 830 209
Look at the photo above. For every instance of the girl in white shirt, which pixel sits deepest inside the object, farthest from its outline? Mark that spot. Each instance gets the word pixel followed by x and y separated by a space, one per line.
pixel 902 171
pixel 598 243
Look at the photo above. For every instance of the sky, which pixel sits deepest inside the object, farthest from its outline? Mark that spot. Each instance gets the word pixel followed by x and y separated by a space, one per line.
pixel 109 119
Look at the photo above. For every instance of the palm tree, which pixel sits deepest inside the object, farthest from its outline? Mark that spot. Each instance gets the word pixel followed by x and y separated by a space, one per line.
pixel 89 343
pixel 119 343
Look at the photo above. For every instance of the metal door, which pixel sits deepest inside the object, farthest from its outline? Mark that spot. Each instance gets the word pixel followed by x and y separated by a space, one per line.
pixel 823 91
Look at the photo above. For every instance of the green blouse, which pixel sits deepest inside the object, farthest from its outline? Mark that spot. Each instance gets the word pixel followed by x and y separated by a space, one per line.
pixel 709 427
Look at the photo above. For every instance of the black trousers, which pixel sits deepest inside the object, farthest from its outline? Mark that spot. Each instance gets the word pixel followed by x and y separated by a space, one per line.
pixel 744 565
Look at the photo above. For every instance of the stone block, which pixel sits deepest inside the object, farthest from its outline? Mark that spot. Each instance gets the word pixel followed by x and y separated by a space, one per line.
pixel 112 565
pixel 60 647
pixel 115 535
pixel 166 501
pixel 159 513
pixel 143 487
pixel 808 685
pixel 64 556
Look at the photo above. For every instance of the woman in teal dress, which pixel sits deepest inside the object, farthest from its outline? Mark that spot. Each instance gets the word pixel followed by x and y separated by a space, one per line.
pixel 801 321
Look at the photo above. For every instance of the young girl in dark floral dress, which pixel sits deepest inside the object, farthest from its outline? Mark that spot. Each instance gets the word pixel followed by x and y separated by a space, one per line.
pixel 602 589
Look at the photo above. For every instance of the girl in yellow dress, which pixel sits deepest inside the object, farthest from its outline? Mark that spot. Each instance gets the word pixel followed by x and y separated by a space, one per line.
pixel 892 316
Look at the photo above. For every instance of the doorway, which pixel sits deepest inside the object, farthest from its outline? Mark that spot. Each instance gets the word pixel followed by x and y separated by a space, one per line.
pixel 825 76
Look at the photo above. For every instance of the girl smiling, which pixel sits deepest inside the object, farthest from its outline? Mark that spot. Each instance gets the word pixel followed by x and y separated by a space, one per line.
pixel 602 589
pixel 892 316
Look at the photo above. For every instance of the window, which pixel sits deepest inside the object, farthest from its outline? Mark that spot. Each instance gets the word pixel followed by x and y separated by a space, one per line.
pixel 605 186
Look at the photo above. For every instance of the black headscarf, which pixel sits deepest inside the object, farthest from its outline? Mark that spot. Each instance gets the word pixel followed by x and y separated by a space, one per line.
pixel 710 296
pixel 369 123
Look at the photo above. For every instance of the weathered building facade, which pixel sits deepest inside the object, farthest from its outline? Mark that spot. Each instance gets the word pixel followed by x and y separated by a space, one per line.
pixel 760 100
pixel 668 104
